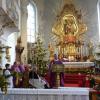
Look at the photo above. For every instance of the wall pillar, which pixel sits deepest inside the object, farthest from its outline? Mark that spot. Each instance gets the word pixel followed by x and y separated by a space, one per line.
pixel 23 29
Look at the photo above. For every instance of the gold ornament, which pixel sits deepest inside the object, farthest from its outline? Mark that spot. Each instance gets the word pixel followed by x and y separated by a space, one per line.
pixel 68 30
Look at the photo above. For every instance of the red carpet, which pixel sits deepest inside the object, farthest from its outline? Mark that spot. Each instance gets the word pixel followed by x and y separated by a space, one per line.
pixel 73 80
pixel 71 85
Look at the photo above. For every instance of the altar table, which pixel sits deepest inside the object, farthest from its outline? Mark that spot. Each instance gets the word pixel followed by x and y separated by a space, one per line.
pixel 46 94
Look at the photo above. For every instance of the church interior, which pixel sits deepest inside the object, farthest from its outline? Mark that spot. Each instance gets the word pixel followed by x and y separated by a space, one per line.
pixel 50 48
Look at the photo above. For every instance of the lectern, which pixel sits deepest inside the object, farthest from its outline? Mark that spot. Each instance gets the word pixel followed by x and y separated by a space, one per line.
pixel 57 68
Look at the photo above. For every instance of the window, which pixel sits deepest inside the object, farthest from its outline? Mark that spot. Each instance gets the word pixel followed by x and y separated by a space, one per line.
pixel 31 23
pixel 31 30
pixel 98 9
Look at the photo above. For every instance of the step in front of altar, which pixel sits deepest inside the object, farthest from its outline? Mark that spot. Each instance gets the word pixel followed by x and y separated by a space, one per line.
pixel 74 80
pixel 71 85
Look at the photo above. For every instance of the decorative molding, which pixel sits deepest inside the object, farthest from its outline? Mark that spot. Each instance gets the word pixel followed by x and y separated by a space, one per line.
pixel 13 10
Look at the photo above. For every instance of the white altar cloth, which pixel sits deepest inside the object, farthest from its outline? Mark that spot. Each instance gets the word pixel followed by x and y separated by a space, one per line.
pixel 74 90
pixel 46 94
pixel 78 64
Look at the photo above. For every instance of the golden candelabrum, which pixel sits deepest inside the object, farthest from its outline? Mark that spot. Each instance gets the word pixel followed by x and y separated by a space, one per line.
pixel 68 31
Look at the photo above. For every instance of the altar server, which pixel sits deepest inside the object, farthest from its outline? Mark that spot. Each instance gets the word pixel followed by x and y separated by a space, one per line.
pixel 8 76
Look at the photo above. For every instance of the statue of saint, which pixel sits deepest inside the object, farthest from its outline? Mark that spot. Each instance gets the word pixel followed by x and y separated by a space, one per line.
pixel 70 25
pixel 70 28
pixel 19 49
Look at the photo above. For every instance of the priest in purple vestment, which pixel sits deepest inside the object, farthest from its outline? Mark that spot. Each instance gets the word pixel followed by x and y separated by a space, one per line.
pixel 53 74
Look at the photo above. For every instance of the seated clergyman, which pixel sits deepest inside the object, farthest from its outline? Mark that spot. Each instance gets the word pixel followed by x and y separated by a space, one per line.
pixel 36 81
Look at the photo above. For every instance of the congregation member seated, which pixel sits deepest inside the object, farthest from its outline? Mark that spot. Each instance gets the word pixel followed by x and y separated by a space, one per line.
pixel 8 76
pixel 36 81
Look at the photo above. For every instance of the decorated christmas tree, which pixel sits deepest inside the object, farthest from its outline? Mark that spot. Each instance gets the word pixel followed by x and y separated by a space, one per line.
pixel 39 56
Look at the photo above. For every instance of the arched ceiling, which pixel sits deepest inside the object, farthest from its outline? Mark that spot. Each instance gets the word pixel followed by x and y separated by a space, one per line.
pixel 7 25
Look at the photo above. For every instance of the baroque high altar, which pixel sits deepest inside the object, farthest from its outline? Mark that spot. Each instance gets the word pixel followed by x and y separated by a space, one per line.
pixel 69 45
pixel 68 30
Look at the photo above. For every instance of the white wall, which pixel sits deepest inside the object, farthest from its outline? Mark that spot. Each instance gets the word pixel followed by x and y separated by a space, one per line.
pixel 11 41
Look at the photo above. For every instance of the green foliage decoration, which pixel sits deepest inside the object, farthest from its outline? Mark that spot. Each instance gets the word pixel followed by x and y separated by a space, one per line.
pixel 39 56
